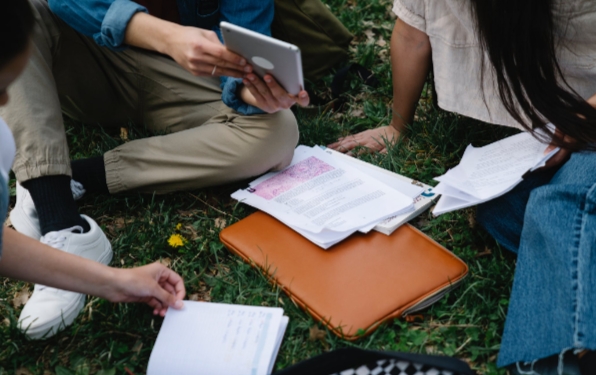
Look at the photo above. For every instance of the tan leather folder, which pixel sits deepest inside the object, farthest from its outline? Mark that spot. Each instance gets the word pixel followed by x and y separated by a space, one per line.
pixel 355 285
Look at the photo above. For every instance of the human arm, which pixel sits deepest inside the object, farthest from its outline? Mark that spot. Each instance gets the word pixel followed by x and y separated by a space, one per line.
pixel 197 50
pixel 563 155
pixel 253 94
pixel 410 64
pixel 118 23
pixel 29 260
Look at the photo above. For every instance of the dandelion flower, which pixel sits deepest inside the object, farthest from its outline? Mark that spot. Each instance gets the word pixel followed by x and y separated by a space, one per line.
pixel 178 226
pixel 176 240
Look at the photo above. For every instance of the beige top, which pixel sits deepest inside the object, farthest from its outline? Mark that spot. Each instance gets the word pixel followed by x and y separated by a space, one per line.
pixel 456 53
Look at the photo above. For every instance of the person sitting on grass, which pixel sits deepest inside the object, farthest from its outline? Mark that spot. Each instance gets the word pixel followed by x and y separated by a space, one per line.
pixel 29 260
pixel 145 63
pixel 523 64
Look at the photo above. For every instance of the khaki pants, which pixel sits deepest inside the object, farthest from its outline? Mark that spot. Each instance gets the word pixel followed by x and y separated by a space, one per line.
pixel 202 141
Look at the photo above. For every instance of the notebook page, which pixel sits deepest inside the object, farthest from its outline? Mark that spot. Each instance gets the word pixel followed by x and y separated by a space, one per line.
pixel 213 339
pixel 280 336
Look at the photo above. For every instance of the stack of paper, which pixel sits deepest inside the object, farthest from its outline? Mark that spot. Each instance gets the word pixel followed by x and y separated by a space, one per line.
pixel 218 339
pixel 325 198
pixel 488 172
pixel 422 194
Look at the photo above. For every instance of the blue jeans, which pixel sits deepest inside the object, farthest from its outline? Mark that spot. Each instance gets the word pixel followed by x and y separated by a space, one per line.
pixel 549 221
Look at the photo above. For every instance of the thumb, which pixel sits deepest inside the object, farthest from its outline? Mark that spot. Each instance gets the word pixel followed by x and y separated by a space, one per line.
pixel 167 298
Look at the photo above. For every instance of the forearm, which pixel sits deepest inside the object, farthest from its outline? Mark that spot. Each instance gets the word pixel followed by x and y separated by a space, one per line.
pixel 29 260
pixel 410 64
pixel 149 32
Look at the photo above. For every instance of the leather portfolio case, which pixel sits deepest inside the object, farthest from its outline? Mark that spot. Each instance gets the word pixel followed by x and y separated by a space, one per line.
pixel 355 285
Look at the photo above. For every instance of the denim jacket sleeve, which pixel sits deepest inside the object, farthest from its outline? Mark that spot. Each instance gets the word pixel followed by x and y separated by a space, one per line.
pixel 256 15
pixel 104 20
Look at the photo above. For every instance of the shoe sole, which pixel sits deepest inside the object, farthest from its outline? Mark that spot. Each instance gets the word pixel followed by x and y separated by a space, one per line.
pixel 51 328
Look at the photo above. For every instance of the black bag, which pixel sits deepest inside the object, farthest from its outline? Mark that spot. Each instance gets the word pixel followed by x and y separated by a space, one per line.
pixel 352 361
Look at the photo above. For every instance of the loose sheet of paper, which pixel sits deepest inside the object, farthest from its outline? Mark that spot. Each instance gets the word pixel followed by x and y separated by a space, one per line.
pixel 487 172
pixel 218 339
pixel 318 192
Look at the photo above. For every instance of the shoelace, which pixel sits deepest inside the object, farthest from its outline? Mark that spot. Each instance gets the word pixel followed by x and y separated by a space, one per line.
pixel 77 190
pixel 56 240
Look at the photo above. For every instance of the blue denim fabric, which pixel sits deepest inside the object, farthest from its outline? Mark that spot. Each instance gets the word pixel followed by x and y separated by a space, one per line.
pixel 106 21
pixel 3 206
pixel 551 224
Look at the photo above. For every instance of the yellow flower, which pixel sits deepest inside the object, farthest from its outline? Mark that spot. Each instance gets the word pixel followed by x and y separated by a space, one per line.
pixel 178 226
pixel 176 240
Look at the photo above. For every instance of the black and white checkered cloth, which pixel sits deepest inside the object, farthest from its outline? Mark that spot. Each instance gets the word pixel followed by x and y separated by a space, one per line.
pixel 394 367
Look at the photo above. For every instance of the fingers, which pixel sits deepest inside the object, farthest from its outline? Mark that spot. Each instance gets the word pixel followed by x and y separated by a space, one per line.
pixel 272 97
pixel 204 69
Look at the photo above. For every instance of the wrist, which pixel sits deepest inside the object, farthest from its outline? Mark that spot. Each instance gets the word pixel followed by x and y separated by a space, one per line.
pixel 167 41
pixel 109 287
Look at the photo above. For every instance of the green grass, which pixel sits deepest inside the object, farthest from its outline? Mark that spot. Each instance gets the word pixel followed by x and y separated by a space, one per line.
pixel 113 338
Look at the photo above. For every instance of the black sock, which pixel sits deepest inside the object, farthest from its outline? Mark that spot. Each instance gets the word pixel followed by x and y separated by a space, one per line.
pixel 91 173
pixel 54 203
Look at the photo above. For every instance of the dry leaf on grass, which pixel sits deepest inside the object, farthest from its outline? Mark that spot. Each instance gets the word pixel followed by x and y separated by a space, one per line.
pixel 220 223
pixel 370 36
pixel 23 371
pixel 381 42
pixel 203 294
pixel 21 298
pixel 414 318
pixel 314 334
pixel 357 112
pixel 124 134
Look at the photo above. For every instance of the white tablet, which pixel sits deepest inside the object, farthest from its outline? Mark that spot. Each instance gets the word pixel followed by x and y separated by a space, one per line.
pixel 267 55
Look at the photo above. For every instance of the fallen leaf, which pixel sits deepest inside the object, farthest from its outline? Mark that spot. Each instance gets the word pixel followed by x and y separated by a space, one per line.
pixel 6 322
pixel 124 134
pixel 23 371
pixel 414 318
pixel 165 261
pixel 381 42
pixel 357 112
pixel 370 36
pixel 220 223
pixel 472 219
pixel 21 298
pixel 314 334
pixel 193 297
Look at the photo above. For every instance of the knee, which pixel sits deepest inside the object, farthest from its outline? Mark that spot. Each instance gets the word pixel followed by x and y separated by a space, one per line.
pixel 281 138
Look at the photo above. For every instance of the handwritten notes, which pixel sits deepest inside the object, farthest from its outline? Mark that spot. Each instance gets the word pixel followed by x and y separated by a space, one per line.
pixel 213 339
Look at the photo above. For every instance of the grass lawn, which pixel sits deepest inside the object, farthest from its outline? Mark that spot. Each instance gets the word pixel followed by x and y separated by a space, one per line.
pixel 117 338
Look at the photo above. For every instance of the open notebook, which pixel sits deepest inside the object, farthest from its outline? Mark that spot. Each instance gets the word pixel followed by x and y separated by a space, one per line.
pixel 213 339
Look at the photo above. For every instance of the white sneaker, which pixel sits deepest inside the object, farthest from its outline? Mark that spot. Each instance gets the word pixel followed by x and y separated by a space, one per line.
pixel 23 216
pixel 50 310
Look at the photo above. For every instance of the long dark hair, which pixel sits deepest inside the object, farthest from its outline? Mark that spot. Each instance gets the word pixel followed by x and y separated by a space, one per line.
pixel 519 37
pixel 16 25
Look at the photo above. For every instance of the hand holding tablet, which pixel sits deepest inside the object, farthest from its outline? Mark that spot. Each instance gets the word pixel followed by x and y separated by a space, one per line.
pixel 277 81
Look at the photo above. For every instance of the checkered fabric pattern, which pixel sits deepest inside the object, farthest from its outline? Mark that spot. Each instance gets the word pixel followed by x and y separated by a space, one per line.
pixel 394 367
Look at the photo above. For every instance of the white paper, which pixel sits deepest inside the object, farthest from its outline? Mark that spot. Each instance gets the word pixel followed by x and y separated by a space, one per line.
pixel 317 192
pixel 488 172
pixel 217 339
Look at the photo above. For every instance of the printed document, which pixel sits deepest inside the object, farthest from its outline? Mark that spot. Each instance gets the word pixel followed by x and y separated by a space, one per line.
pixel 318 194
pixel 485 173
